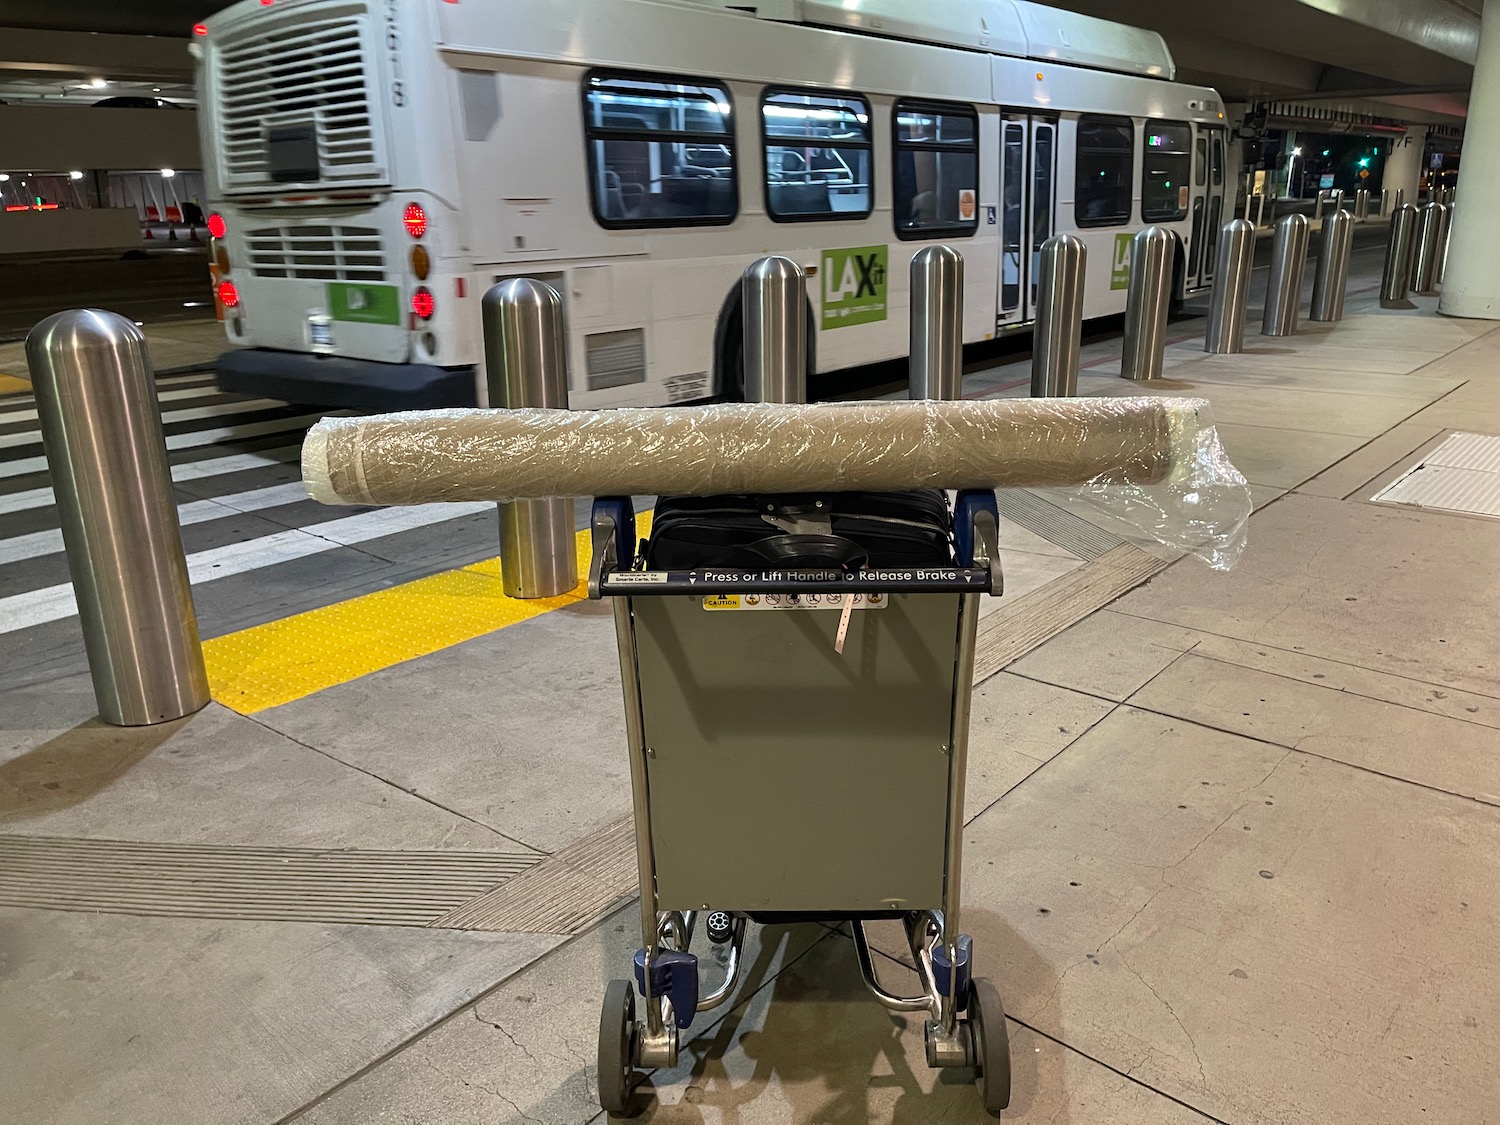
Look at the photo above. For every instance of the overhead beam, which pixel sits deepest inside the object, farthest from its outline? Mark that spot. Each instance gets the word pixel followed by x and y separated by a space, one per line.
pixel 64 138
pixel 132 57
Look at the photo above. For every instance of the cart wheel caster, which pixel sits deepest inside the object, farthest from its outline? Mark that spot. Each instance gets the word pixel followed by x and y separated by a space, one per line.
pixel 617 1048
pixel 720 927
pixel 991 1045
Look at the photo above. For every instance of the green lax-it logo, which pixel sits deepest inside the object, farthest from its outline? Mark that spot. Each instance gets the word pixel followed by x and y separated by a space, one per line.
pixel 854 286
pixel 1119 274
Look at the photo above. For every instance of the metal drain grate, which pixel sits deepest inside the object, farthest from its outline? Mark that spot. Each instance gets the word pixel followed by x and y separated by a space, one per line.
pixel 1461 475
pixel 1057 526
pixel 260 884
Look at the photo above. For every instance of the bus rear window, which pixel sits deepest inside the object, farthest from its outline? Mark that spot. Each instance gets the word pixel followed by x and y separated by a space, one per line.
pixel 661 151
pixel 937 169
pixel 818 156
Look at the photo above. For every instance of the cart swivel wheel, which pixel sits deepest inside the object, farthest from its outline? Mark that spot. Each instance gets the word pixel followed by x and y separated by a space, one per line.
pixel 720 927
pixel 617 1048
pixel 991 1045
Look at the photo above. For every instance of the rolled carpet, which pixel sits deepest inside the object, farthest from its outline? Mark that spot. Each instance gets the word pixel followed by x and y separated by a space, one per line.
pixel 473 454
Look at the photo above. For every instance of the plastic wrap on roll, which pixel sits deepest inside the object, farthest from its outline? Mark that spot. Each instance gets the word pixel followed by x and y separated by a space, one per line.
pixel 1155 460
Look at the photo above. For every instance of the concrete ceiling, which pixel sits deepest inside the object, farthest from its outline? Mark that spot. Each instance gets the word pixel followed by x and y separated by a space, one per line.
pixel 1407 59
pixel 126 17
pixel 1352 53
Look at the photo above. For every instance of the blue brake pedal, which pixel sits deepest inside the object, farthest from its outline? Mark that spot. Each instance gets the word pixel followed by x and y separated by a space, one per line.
pixel 674 975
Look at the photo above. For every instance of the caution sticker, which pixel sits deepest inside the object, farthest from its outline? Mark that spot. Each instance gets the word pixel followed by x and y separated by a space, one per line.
pixel 791 601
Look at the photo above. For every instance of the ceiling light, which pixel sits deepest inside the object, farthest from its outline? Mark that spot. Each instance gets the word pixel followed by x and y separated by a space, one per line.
pixel 75 175
pixel 167 173
pixel 98 83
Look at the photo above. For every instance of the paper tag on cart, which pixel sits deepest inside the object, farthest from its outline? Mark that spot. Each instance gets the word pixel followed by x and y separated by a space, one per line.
pixel 732 602
pixel 838 642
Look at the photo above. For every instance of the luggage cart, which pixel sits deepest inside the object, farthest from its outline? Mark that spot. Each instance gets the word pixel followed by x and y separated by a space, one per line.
pixel 806 709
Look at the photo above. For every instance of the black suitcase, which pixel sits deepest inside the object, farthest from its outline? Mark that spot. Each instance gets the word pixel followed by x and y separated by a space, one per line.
pixel 828 530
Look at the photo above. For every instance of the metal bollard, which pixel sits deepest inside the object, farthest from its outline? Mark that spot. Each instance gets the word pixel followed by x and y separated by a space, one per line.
pixel 1146 304
pixel 1332 278
pixel 1399 200
pixel 774 297
pixel 1284 288
pixel 1318 205
pixel 937 324
pixel 1447 238
pixel 1362 204
pixel 1058 334
pixel 102 433
pixel 526 365
pixel 1396 280
pixel 1430 219
pixel 1440 259
pixel 1226 310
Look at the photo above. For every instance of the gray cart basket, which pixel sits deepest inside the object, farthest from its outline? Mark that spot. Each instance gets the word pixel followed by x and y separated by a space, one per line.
pixel 746 725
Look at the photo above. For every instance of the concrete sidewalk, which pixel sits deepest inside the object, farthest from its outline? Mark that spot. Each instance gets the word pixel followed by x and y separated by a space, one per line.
pixel 1231 855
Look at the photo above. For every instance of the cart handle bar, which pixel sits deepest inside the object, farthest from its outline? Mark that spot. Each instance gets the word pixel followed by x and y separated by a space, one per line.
pixel 927 580
pixel 976 525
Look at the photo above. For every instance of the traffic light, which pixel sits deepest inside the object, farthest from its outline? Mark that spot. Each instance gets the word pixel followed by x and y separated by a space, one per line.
pixel 1364 161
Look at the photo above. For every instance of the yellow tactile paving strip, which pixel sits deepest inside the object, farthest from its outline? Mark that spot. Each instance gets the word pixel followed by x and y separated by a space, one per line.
pixel 298 656
pixel 10 385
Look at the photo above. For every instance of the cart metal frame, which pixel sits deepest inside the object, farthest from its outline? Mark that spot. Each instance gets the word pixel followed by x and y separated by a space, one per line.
pixel 666 973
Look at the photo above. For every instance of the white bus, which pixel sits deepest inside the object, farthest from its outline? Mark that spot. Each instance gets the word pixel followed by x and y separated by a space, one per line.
pixel 376 165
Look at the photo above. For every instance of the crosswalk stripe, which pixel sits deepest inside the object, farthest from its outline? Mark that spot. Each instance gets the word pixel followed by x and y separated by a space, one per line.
pixel 192 440
pixel 50 542
pixel 16 402
pixel 194 414
pixel 192 470
pixel 182 395
pixel 55 603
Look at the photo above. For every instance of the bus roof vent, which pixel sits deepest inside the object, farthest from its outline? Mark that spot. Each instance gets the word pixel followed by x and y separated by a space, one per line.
pixel 1000 27
pixel 979 25
pixel 1054 34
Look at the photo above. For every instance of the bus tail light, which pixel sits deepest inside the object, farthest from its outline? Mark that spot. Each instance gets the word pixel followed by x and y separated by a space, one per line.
pixel 415 219
pixel 423 304
pixel 421 263
pixel 229 296
pixel 217 227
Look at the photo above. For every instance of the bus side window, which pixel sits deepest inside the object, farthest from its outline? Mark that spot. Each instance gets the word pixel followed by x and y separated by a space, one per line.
pixel 818 156
pixel 936 169
pixel 661 151
pixel 1164 171
pixel 1106 163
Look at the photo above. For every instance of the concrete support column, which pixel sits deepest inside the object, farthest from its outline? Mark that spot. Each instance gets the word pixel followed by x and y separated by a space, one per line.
pixel 1403 167
pixel 1471 280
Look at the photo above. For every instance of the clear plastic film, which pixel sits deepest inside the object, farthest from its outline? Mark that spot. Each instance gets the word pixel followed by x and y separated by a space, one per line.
pixel 1201 507
pixel 1155 463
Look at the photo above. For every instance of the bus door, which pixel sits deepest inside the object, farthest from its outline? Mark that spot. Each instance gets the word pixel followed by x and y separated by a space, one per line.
pixel 1216 157
pixel 1199 265
pixel 1208 205
pixel 1028 204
